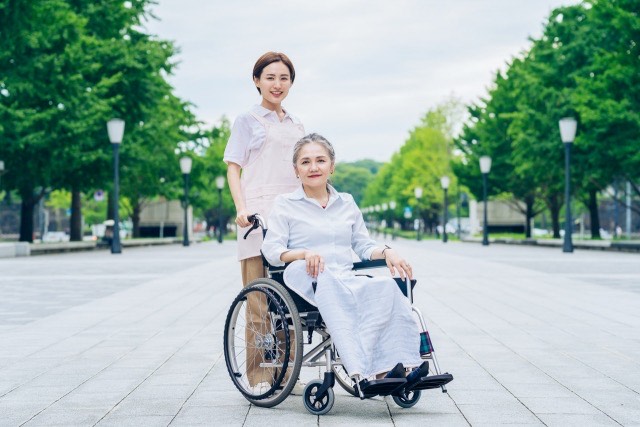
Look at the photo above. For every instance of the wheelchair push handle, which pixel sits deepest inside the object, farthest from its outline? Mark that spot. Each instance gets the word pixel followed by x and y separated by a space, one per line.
pixel 256 221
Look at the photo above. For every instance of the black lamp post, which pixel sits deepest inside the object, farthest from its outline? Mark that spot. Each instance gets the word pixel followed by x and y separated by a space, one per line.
pixel 485 167
pixel 115 129
pixel 444 181
pixel 418 193
pixel 220 185
pixel 185 167
pixel 1 169
pixel 385 208
pixel 568 127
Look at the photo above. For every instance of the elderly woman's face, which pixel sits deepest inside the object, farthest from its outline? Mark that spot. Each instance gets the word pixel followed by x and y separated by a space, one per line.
pixel 314 165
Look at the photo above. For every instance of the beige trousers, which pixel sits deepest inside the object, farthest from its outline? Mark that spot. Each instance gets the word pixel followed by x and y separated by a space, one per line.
pixel 258 325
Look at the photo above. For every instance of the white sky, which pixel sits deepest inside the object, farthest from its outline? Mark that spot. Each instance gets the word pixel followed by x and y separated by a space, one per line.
pixel 366 70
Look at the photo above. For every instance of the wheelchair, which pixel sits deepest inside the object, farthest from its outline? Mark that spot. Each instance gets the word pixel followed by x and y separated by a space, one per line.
pixel 264 346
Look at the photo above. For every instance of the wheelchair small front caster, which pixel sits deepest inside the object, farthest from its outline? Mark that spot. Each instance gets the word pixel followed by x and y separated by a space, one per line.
pixel 407 399
pixel 317 404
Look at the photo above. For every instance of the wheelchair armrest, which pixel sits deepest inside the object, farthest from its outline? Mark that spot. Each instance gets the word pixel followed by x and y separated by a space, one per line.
pixel 377 263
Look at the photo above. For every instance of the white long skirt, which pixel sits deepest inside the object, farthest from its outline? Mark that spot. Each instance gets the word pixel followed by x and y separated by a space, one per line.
pixel 369 319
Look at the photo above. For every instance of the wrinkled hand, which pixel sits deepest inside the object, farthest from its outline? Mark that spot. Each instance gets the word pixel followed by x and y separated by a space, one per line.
pixel 315 263
pixel 398 265
pixel 241 218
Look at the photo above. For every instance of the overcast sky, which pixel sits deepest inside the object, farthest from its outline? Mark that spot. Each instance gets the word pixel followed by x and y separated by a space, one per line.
pixel 366 70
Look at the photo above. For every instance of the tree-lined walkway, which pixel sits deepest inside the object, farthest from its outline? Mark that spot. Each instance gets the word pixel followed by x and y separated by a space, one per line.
pixel 532 336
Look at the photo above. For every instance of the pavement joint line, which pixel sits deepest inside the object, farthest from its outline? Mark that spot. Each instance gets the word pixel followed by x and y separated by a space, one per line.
pixel 532 364
pixel 94 345
pixel 195 389
pixel 186 313
pixel 458 408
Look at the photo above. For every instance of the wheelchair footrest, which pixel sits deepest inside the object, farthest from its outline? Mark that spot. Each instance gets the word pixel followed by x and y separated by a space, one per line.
pixel 381 387
pixel 431 381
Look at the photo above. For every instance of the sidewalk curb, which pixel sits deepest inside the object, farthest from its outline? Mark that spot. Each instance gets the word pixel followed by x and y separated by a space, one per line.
pixel 598 245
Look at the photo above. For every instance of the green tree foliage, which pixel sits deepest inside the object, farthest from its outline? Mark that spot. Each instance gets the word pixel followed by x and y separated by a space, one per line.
pixel 353 178
pixel 66 67
pixel 420 162
pixel 585 65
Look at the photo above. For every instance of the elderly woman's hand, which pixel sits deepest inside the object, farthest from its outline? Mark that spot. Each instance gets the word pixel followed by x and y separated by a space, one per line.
pixel 315 263
pixel 397 264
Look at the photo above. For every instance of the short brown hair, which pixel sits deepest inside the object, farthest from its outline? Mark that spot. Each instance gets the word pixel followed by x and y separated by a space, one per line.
pixel 270 58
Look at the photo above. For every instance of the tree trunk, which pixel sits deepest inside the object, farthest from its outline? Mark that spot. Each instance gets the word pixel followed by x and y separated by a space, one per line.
pixel 26 217
pixel 135 218
pixel 529 201
pixel 593 213
pixel 75 233
pixel 554 209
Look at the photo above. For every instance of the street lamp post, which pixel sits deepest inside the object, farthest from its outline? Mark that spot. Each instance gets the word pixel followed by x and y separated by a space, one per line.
pixel 485 167
pixel 568 127
pixel 220 185
pixel 385 208
pixel 418 193
pixel 115 129
pixel 392 208
pixel 185 167
pixel 444 181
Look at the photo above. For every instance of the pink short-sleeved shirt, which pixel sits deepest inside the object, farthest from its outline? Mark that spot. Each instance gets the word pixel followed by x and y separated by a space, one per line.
pixel 248 135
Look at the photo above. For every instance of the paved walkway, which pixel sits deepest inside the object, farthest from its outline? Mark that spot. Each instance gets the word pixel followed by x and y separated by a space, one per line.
pixel 532 336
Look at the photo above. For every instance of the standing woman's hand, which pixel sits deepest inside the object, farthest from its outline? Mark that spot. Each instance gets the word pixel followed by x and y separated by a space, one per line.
pixel 241 218
pixel 397 264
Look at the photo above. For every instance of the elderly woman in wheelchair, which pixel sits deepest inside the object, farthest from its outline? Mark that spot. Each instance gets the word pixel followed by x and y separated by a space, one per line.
pixel 370 338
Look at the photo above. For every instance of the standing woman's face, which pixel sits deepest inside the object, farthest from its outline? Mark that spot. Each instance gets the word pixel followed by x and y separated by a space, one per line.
pixel 274 84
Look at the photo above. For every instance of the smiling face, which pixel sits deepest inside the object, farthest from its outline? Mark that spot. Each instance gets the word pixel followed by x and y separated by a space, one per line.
pixel 274 84
pixel 314 165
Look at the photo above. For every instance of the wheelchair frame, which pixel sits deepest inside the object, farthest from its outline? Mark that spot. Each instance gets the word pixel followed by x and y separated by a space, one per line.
pixel 285 307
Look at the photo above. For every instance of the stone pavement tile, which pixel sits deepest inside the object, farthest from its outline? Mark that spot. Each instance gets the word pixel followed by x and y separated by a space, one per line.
pixel 80 399
pixel 135 407
pixel 538 390
pixel 289 412
pixel 498 414
pixel 129 421
pixel 68 417
pixel 577 420
pixel 409 419
pixel 559 405
pixel 230 416
pixel 624 414
pixel 210 397
pixel 462 397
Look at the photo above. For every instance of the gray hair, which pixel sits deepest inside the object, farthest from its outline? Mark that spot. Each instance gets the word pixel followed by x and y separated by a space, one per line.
pixel 318 139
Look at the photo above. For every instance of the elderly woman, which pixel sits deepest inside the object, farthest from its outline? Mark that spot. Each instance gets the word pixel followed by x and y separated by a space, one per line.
pixel 315 229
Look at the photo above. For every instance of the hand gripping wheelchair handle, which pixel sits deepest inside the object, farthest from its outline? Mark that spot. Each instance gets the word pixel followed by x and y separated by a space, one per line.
pixel 256 221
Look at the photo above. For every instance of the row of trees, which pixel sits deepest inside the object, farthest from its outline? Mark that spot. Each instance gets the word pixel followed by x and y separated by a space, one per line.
pixel 585 65
pixel 66 68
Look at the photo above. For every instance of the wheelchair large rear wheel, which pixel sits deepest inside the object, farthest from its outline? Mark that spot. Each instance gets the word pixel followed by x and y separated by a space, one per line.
pixel 263 343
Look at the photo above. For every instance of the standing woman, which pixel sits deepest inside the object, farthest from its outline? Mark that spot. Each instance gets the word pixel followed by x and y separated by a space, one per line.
pixel 258 157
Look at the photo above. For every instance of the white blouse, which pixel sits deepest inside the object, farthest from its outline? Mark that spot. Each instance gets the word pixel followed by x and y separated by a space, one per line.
pixel 299 222
pixel 248 135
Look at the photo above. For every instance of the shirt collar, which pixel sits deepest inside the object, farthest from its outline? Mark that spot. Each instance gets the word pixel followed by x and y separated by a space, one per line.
pixel 265 111
pixel 299 194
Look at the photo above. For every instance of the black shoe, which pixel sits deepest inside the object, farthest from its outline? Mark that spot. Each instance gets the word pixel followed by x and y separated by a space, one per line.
pixel 398 371
pixel 419 372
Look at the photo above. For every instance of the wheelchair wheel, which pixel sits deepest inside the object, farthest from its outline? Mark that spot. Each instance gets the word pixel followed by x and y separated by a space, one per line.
pixel 263 343
pixel 407 400
pixel 317 404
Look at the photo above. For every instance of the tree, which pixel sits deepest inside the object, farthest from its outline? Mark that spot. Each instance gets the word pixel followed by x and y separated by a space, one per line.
pixel 352 178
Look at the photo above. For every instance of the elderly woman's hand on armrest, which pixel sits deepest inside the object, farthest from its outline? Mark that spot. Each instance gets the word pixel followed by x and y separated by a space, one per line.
pixel 395 263
pixel 315 262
